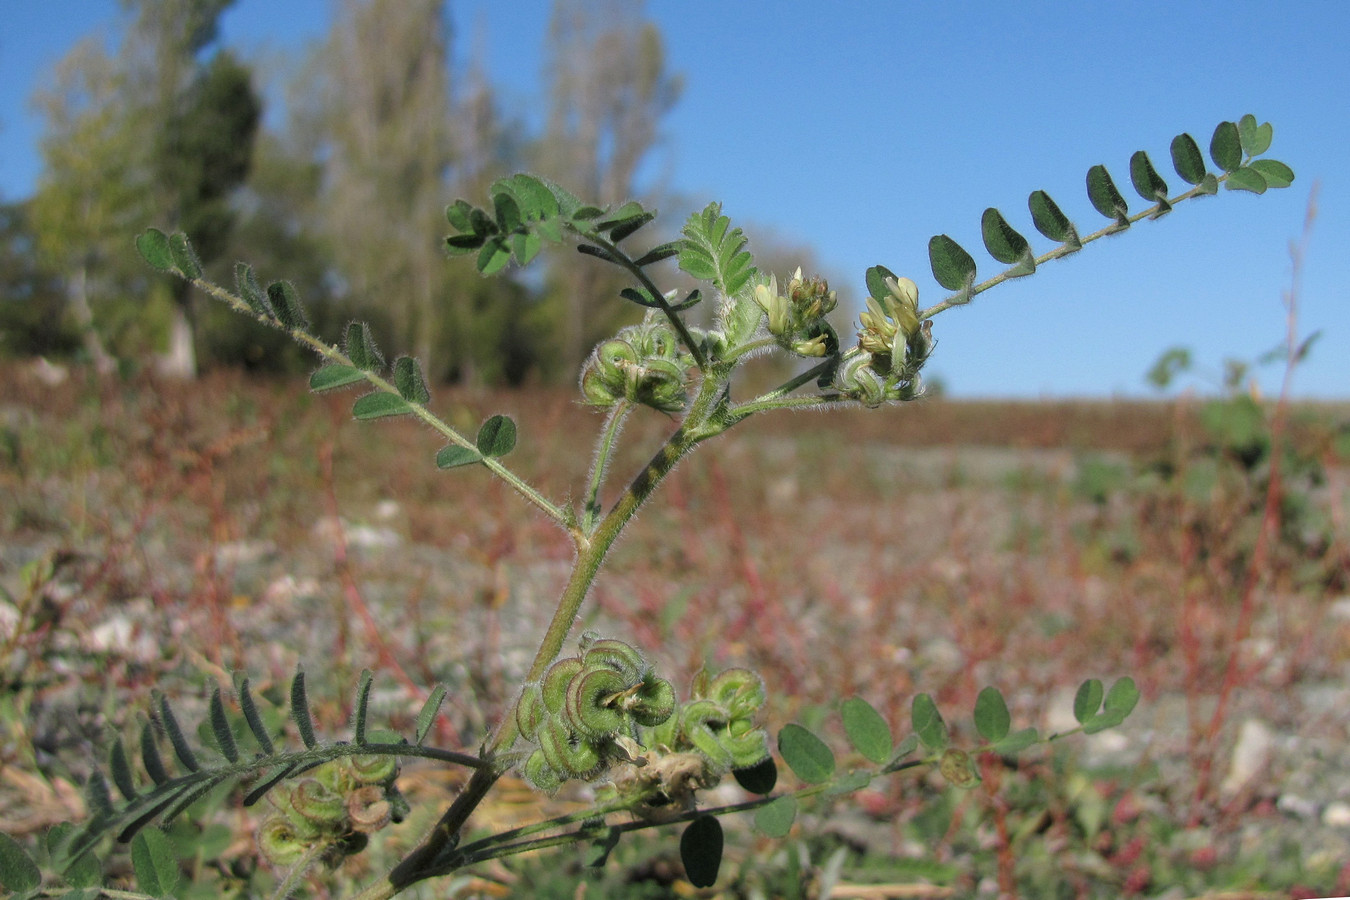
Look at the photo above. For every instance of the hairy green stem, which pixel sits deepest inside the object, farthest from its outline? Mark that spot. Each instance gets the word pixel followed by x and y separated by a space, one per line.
pixel 605 448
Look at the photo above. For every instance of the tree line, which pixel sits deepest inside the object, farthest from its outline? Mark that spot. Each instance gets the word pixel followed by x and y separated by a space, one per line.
pixel 341 188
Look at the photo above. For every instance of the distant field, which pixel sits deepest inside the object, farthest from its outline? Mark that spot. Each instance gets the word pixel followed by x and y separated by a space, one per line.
pixel 938 547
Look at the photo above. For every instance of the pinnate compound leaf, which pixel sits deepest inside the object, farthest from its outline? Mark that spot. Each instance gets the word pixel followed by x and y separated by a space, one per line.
pixel 1245 178
pixel 285 302
pixel 701 851
pixel 866 730
pixel 1146 180
pixel 714 251
pixel 927 723
pixel 1105 196
pixel 775 819
pixel 304 722
pixel 1255 138
pixel 628 226
pixel 1005 244
pixel 18 872
pixel 525 247
pixel 153 860
pixel 427 716
pixel 1276 173
pixel 409 381
pixel 220 728
pixel 992 719
pixel 1051 221
pixel 807 755
pixel 184 257
pixel 759 778
pixel 497 436
pixel 658 253
pixel 454 456
pixel 334 376
pixel 153 245
pixel 459 215
pixel 379 404
pixel 1225 147
pixel 97 796
pixel 1087 700
pixel 507 212
pixel 464 244
pixel 952 266
pixel 1187 159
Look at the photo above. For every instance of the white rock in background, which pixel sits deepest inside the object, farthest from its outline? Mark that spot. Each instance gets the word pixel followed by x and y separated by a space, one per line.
pixel 1252 753
pixel 1337 814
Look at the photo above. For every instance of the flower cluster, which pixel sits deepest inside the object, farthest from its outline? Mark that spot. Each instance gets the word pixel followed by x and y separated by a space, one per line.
pixel 336 806
pixel 642 364
pixel 585 712
pixel 797 318
pixel 896 344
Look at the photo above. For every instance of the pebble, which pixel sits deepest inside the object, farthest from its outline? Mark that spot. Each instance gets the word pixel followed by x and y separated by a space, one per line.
pixel 1251 754
pixel 1337 814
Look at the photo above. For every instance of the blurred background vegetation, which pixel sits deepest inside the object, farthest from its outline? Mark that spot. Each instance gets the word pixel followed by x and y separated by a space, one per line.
pixel 338 185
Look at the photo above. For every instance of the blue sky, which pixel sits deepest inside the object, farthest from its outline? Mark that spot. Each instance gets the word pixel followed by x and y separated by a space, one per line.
pixel 863 128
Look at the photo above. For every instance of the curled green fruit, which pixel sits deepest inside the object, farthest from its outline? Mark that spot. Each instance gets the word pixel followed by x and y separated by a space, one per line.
pixel 280 842
pixel 541 774
pixel 621 657
pixel 592 710
pixel 556 680
pixel 530 710
pixel 567 753
pixel 313 800
pixel 654 702
pixel 368 809
pixel 739 691
pixel 374 769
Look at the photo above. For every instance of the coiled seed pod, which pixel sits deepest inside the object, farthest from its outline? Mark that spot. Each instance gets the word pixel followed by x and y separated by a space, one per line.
pixel 373 769
pixel 320 806
pixel 556 680
pixel 590 708
pixel 701 722
pixel 748 749
pixel 530 710
pixel 541 774
pixel 739 691
pixel 621 657
pixel 368 809
pixel 654 702
pixel 280 842
pixel 567 753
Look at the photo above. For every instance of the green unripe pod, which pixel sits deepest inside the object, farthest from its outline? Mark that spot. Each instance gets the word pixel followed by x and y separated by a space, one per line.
pixel 621 657
pixel 281 843
pixel 322 807
pixel 613 359
pixel 540 774
pixel 591 709
pixel 748 749
pixel 739 691
pixel 596 391
pixel 654 702
pixel 556 680
pixel 702 723
pixel 530 710
pixel 569 754
pixel 373 768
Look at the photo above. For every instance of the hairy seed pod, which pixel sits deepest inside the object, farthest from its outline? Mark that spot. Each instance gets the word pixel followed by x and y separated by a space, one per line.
pixel 335 775
pixel 739 691
pixel 617 655
pixel 568 754
pixel 530 710
pixel 312 799
pixel 368 809
pixel 747 750
pixel 281 844
pixel 655 702
pixel 556 679
pixel 614 358
pixel 373 769
pixel 541 774
pixel 591 710
pixel 596 390
pixel 701 722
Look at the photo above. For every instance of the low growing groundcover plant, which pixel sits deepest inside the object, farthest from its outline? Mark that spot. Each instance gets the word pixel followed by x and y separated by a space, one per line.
pixel 592 708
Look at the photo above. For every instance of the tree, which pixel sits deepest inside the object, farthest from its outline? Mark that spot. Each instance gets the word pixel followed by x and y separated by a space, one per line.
pixel 609 89
pixel 31 294
pixel 154 133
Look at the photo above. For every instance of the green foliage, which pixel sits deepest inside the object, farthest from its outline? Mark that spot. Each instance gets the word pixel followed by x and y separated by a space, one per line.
pixel 605 711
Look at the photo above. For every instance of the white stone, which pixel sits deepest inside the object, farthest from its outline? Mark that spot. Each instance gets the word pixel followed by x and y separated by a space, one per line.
pixel 1252 753
pixel 1337 814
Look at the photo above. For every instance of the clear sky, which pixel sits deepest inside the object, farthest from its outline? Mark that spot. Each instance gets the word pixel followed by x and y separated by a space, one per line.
pixel 863 128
